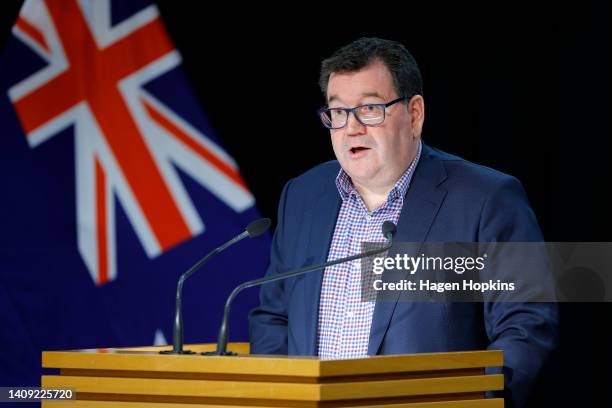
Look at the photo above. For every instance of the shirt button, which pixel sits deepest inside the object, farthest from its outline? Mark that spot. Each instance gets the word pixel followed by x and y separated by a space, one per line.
pixel 368 217
pixel 349 314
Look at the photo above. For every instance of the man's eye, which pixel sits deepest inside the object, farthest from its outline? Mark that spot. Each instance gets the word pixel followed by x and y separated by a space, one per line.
pixel 367 108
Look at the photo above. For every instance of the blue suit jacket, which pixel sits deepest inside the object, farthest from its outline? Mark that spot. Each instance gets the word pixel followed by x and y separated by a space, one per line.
pixel 449 199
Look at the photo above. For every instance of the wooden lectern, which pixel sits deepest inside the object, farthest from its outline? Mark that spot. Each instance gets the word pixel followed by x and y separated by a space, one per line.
pixel 137 377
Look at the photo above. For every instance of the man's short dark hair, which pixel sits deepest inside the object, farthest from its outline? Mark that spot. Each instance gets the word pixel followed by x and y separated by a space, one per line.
pixel 362 52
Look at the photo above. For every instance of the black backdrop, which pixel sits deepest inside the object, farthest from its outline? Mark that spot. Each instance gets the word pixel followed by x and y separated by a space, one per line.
pixel 520 89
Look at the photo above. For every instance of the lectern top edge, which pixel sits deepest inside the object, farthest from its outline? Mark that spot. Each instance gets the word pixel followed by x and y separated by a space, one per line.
pixel 300 366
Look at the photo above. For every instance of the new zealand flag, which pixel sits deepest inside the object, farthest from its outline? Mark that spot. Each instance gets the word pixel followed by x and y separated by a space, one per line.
pixel 113 184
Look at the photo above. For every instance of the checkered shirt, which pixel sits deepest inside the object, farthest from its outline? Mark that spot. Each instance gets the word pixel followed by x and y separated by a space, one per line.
pixel 344 319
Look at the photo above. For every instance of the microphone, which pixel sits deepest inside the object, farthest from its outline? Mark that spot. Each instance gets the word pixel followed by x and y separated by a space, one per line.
pixel 388 230
pixel 254 229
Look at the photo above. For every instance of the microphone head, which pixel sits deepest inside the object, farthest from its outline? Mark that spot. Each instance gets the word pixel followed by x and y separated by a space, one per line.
pixel 258 227
pixel 388 229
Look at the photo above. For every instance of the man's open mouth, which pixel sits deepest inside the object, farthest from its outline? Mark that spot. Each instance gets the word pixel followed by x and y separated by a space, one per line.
pixel 358 149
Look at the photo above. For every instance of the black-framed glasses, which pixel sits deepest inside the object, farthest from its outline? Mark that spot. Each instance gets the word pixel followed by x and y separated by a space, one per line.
pixel 370 114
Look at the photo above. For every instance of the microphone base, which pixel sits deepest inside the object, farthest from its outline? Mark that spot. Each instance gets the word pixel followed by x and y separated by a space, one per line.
pixel 216 353
pixel 177 352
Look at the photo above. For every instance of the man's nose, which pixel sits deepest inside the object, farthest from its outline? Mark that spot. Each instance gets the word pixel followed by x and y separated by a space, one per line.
pixel 353 126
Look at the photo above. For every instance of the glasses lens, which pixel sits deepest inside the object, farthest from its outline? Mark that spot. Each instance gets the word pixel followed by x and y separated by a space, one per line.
pixel 371 114
pixel 333 118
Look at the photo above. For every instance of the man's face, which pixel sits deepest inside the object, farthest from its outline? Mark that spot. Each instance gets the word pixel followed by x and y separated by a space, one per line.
pixel 373 156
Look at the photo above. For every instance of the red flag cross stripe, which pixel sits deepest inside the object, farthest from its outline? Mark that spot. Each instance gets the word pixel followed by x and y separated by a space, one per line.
pixel 101 223
pixel 33 32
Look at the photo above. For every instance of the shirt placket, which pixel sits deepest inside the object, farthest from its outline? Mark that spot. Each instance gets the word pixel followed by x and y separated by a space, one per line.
pixel 352 331
pixel 344 348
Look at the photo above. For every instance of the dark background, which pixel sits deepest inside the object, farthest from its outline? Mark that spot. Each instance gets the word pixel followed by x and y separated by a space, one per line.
pixel 522 89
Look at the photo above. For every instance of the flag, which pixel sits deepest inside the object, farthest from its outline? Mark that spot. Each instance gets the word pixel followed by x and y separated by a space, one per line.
pixel 113 184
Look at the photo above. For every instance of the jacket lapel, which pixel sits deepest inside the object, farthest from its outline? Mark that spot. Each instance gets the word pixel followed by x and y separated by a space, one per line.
pixel 421 204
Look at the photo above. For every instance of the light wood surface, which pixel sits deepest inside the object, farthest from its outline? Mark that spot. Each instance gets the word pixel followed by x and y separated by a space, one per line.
pixel 142 377
pixel 148 359
pixel 488 403
pixel 280 391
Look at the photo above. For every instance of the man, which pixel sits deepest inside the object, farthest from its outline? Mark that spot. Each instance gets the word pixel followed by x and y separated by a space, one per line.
pixel 375 112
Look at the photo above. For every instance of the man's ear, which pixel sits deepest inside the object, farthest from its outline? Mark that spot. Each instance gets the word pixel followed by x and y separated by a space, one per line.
pixel 416 108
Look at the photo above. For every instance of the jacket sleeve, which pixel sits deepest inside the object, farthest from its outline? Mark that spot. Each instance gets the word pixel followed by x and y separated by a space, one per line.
pixel 268 322
pixel 526 332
